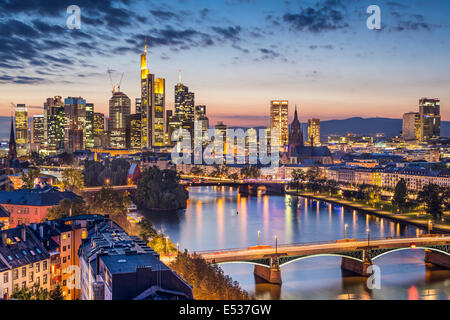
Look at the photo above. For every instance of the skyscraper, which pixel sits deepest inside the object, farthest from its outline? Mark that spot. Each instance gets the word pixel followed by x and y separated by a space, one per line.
pixel 279 120
pixel 137 106
pixel 411 126
pixel 119 111
pixel 134 131
pixel 21 117
pixel 314 132
pixel 89 125
pixel 37 129
pixel 430 119
pixel 158 113
pixel 99 128
pixel 184 103
pixel 152 106
pixel 54 123
pixel 75 124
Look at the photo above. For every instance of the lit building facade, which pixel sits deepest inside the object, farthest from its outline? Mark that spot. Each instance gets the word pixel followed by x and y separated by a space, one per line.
pixel 135 131
pixel 119 111
pixel 21 117
pixel 37 129
pixel 430 119
pixel 99 128
pixel 314 132
pixel 279 120
pixel 54 122
pixel 411 126
pixel 89 125
pixel 75 124
pixel 158 113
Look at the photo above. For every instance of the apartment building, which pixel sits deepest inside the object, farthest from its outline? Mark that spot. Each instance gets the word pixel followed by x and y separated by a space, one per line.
pixel 24 261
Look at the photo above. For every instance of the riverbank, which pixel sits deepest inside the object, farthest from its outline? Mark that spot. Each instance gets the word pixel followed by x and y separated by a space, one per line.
pixel 402 218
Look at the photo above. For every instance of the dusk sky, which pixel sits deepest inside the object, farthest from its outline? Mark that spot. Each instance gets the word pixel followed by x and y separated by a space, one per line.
pixel 235 55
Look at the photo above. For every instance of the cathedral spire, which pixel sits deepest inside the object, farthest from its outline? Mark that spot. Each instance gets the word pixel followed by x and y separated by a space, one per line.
pixel 12 153
pixel 295 113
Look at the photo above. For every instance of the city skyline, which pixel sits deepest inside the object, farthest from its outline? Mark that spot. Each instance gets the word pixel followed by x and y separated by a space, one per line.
pixel 331 67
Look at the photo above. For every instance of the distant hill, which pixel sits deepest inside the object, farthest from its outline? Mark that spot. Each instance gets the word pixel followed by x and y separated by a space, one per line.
pixel 369 126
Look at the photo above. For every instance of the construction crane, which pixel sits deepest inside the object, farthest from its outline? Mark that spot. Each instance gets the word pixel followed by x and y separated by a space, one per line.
pixel 115 88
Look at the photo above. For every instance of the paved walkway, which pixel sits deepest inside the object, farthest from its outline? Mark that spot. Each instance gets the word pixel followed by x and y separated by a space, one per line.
pixel 381 213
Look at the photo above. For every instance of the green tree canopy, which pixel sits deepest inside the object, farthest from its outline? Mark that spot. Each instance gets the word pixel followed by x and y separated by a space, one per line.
pixel 110 201
pixel 160 189
pixel 67 207
pixel 29 176
pixel 400 195
pixel 434 199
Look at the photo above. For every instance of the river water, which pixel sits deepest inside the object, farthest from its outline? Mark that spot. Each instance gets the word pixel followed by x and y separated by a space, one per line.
pixel 220 218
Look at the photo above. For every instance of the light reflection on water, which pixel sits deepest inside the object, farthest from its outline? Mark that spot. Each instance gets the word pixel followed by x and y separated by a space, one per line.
pixel 219 218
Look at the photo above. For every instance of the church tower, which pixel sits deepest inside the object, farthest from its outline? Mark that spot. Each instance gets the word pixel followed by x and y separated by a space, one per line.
pixel 12 153
pixel 295 134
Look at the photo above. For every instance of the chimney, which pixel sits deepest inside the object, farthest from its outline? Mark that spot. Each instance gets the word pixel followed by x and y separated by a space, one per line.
pixel 24 233
pixel 41 231
pixel 4 237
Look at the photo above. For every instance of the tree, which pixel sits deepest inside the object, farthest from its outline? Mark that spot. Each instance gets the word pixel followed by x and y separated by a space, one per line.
pixel 400 195
pixel 32 293
pixel 434 198
pixel 57 293
pixel 298 175
pixel 234 176
pixel 209 281
pixel 250 172
pixel 196 171
pixel 160 189
pixel 72 179
pixel 29 177
pixel 110 201
pixel 220 171
pixel 313 173
pixel 67 207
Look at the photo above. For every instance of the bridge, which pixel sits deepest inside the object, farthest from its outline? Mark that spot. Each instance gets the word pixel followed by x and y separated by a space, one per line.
pixel 357 255
pixel 92 190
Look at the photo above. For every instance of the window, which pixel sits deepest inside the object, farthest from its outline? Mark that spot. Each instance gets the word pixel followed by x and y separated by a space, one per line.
pixel 35 211
pixel 44 265
pixel 24 285
pixel 38 280
pixel 38 267
pixel 44 279
pixel 64 248
pixel 5 277
pixel 24 272
pixel 64 259
pixel 16 274
pixel 31 278
pixel 64 236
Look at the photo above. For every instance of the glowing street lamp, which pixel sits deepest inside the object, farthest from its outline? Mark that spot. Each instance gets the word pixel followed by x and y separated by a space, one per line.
pixel 368 237
pixel 276 246
pixel 345 231
pixel 259 235
pixel 430 226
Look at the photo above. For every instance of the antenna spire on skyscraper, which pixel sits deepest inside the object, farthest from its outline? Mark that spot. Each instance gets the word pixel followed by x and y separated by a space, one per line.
pixel 145 45
pixel 179 76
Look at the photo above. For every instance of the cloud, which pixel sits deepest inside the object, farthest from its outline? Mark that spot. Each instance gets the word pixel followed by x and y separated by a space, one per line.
pixel 230 33
pixel 323 17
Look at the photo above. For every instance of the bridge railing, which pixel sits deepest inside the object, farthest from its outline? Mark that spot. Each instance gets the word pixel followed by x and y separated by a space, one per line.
pixel 300 244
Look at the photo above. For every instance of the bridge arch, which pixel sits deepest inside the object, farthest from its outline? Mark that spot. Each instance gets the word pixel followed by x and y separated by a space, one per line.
pixel 255 263
pixel 295 259
pixel 409 248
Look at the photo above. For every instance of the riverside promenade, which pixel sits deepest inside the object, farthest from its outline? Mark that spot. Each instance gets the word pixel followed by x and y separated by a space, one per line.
pixel 444 228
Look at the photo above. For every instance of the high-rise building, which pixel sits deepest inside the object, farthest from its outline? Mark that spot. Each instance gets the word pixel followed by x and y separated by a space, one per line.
pixel 279 120
pixel 135 130
pixel 137 106
pixel 430 119
pixel 158 111
pixel 99 128
pixel 54 124
pixel 21 117
pixel 411 126
pixel 119 111
pixel 184 103
pixel 220 130
pixel 37 129
pixel 89 125
pixel 152 106
pixel 314 132
pixel 75 124
pixel 200 111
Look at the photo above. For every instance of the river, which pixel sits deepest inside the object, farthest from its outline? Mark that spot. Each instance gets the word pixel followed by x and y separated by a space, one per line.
pixel 220 218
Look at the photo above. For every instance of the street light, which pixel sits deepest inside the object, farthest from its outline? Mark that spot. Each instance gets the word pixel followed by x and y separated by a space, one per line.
pixel 259 235
pixel 368 237
pixel 346 225
pixel 430 226
pixel 276 246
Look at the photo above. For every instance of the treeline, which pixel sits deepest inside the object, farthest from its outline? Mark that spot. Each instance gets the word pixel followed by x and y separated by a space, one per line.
pixel 110 172
pixel 209 281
